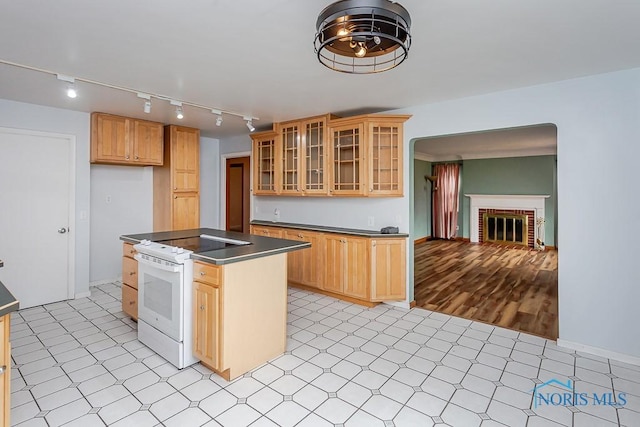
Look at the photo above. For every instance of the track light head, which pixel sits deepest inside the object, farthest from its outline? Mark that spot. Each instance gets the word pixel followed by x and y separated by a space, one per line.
pixel 250 125
pixel 219 121
pixel 72 92
pixel 147 102
pixel 179 112
pixel 218 113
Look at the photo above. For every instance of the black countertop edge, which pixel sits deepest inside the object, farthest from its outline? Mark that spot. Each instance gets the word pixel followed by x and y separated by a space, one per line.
pixel 8 302
pixel 214 257
pixel 327 229
pixel 260 246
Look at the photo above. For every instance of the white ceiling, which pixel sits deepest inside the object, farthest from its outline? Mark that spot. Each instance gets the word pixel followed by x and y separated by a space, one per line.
pixel 255 57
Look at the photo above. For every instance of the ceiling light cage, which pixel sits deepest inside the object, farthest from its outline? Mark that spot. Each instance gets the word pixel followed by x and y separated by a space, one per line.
pixel 363 36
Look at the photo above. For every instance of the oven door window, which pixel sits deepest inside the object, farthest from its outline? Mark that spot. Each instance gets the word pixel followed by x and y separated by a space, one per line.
pixel 161 300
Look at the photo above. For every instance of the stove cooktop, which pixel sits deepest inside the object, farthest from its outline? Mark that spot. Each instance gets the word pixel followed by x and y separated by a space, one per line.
pixel 197 244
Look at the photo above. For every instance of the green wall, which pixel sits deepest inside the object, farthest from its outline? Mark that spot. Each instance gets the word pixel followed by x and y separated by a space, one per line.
pixel 514 175
pixel 422 199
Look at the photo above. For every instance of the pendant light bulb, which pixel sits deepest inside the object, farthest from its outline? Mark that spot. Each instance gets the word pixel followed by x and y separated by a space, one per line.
pixel 360 50
pixel 179 113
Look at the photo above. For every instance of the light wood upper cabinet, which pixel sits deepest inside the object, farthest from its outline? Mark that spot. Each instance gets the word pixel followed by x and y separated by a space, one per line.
pixel 125 141
pixel 347 160
pixel 265 180
pixel 176 185
pixel 385 158
pixel 185 157
pixel 325 155
pixel 314 156
pixel 290 158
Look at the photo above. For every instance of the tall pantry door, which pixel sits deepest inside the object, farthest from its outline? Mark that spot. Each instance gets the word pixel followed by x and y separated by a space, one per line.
pixel 35 194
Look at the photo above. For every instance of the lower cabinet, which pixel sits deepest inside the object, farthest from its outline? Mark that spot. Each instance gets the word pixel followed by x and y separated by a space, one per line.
pixel 239 313
pixel 207 312
pixel 129 281
pixel 305 266
pixel 362 269
pixel 5 370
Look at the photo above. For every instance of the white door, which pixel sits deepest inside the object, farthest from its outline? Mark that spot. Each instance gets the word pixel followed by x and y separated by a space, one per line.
pixel 35 195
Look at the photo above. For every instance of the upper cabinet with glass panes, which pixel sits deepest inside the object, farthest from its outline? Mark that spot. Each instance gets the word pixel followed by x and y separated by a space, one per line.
pixel 329 156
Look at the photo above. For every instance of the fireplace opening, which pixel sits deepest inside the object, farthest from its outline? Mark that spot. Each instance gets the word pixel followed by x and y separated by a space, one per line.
pixel 505 228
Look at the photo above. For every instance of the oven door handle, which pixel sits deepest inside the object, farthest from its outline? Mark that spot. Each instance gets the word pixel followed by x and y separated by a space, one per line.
pixel 171 268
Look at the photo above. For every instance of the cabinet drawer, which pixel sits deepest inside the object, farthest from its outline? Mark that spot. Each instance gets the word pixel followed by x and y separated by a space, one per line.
pixel 207 273
pixel 130 272
pixel 127 250
pixel 130 301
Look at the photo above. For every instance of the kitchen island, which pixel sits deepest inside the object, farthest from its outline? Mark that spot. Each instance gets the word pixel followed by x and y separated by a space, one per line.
pixel 238 301
pixel 8 304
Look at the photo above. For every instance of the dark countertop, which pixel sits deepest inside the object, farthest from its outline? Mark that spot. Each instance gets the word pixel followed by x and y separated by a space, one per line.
pixel 8 302
pixel 352 231
pixel 260 247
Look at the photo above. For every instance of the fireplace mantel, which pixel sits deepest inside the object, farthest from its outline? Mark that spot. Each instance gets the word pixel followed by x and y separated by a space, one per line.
pixel 505 201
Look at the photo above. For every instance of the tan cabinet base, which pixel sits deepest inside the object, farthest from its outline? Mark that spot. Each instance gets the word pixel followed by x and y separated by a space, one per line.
pixel 334 294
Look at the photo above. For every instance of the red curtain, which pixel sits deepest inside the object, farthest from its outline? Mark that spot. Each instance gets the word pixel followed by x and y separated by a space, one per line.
pixel 445 200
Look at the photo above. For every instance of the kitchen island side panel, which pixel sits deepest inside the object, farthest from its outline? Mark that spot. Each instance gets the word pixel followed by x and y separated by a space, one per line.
pixel 254 312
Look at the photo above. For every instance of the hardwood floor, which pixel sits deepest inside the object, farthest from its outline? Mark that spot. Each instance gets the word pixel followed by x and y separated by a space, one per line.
pixel 508 287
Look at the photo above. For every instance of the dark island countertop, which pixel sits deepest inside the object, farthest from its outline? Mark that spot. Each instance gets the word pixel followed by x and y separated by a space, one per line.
pixel 8 302
pixel 326 229
pixel 260 246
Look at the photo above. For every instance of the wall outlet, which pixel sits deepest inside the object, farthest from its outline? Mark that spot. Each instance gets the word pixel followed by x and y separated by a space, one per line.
pixel 276 213
pixel 107 199
pixel 371 221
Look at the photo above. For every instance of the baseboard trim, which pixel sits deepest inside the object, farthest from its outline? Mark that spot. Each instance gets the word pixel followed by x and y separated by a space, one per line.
pixel 79 295
pixel 597 351
pixel 463 239
pixel 400 304
pixel 334 295
pixel 550 248
pixel 412 304
pixel 104 282
pixel 421 240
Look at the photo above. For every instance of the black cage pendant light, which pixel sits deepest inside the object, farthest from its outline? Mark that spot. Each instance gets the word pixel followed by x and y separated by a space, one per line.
pixel 363 36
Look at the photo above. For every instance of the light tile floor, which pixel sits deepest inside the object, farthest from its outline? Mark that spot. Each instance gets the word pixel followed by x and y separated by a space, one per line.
pixel 78 363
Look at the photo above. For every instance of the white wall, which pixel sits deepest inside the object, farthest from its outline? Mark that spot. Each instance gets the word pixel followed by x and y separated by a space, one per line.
pixel 45 119
pixel 598 120
pixel 129 210
pixel 209 182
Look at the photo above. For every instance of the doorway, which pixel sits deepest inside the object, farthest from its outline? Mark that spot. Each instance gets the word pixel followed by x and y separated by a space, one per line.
pixel 37 205
pixel 237 199
pixel 471 276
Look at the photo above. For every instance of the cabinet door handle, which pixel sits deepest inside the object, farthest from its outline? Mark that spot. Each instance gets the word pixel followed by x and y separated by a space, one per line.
pixel 137 157
pixel 3 368
pixel 132 273
pixel 126 157
pixel 371 190
pixel 300 236
pixel 131 302
pixel 202 307
pixel 175 188
pixel 175 197
pixel 202 273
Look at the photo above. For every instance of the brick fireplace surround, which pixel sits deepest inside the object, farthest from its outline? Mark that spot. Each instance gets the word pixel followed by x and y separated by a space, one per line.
pixel 531 205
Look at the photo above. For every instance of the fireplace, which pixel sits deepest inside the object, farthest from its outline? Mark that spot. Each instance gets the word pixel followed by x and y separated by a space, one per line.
pixel 507 206
pixel 508 227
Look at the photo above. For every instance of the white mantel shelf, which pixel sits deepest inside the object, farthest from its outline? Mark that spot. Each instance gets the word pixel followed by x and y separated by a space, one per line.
pixel 534 202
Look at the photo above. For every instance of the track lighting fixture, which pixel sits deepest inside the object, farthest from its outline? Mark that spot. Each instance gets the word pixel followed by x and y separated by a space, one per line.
pixel 147 102
pixel 72 92
pixel 71 87
pixel 249 124
pixel 218 113
pixel 179 112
